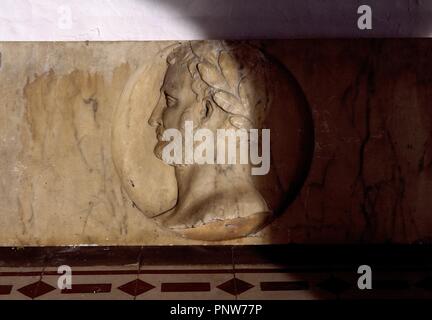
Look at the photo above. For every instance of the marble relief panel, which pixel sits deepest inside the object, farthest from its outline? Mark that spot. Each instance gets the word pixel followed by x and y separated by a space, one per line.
pixel 82 130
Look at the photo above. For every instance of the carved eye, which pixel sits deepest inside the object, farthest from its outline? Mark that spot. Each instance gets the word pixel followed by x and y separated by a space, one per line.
pixel 170 101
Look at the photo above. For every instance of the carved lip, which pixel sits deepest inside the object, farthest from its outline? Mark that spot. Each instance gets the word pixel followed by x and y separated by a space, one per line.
pixel 159 133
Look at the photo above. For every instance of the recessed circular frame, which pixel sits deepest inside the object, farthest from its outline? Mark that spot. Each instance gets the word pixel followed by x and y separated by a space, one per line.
pixel 210 202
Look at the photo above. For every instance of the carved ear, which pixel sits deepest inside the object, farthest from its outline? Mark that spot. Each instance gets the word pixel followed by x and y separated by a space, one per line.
pixel 206 111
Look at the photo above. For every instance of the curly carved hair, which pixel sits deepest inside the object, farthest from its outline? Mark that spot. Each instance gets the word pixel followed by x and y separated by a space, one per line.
pixel 234 76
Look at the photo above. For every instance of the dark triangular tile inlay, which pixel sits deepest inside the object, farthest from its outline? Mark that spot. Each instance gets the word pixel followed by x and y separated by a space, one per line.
pixel 235 286
pixel 36 289
pixel 136 287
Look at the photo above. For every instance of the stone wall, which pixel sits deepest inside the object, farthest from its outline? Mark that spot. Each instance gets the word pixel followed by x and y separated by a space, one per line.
pixel 371 174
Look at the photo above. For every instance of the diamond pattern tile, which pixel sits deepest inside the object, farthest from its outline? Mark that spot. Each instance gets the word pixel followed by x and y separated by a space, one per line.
pixel 36 289
pixel 235 286
pixel 136 287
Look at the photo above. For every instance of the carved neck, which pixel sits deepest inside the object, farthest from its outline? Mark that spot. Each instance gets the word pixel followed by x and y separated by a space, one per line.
pixel 199 180
pixel 197 184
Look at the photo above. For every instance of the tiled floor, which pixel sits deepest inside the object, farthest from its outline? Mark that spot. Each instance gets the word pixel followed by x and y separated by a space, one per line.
pixel 201 282
pixel 224 273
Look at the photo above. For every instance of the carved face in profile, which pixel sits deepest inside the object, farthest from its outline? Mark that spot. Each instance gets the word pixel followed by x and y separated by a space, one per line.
pixel 177 104
pixel 206 85
pixel 214 91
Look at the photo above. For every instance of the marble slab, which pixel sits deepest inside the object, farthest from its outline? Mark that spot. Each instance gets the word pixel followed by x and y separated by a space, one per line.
pixel 369 181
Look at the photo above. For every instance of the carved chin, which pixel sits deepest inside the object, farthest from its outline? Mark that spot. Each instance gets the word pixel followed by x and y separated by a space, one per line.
pixel 158 149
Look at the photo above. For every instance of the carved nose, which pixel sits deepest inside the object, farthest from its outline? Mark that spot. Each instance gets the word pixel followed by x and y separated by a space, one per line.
pixel 155 121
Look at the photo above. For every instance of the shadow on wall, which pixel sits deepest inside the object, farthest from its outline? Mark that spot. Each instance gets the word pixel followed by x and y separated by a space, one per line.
pixel 286 19
pixel 362 78
pixel 363 69
pixel 280 19
pixel 311 19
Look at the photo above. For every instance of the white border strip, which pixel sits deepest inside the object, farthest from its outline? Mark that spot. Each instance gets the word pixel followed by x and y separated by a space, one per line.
pixel 117 20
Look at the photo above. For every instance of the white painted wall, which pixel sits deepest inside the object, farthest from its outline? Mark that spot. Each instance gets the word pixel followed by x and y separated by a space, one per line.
pixel 47 20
